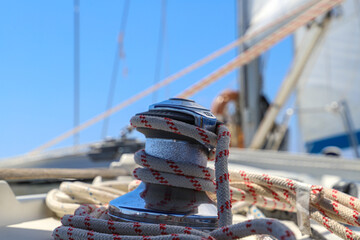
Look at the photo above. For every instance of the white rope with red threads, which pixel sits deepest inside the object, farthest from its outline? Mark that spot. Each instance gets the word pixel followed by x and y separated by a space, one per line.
pixel 90 222
pixel 279 193
pixel 221 141
pixel 328 207
pixel 172 173
pixel 83 225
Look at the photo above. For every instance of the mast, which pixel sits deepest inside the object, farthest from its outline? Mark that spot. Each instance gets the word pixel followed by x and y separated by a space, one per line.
pixel 290 82
pixel 250 80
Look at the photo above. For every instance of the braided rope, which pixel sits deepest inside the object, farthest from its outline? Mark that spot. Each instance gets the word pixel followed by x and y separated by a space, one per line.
pixel 91 223
pixel 203 136
pixel 71 195
pixel 181 177
pixel 327 206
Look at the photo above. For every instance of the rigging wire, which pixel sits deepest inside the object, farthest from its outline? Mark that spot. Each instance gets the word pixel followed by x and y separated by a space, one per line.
pixel 174 77
pixel 159 54
pixel 76 69
pixel 119 54
pixel 261 46
pixel 166 57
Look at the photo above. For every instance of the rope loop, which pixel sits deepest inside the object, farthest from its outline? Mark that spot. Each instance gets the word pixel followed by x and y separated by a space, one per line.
pixel 187 175
pixel 170 173
pixel 90 222
pixel 94 223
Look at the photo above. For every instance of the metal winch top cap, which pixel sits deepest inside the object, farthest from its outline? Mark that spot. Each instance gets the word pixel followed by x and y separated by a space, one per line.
pixel 203 118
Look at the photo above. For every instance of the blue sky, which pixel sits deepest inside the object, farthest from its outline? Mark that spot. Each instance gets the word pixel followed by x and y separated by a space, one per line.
pixel 36 62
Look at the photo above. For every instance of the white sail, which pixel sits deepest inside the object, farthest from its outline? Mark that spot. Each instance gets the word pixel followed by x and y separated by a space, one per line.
pixel 331 75
pixel 265 12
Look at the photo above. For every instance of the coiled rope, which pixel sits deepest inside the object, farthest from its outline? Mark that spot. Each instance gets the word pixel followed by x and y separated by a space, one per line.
pixel 328 207
pixel 90 222
pixel 94 223
pixel 71 195
pixel 170 175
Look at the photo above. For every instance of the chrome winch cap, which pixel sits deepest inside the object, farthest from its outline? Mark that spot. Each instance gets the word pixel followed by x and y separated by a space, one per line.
pixel 202 116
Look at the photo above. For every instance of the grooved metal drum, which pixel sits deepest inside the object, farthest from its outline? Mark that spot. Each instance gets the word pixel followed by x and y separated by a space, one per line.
pixel 153 203
pixel 176 150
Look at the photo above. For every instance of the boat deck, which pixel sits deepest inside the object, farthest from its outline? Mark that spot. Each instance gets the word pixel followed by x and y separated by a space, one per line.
pixel 27 217
pixel 40 229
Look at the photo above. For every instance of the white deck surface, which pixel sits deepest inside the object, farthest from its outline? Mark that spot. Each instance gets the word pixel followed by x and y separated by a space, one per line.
pixel 28 218
pixel 31 230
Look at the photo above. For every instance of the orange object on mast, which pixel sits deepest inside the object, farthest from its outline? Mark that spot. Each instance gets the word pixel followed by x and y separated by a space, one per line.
pixel 220 108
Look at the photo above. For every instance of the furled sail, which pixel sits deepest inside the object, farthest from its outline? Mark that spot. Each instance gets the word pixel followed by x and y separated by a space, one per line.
pixel 273 12
pixel 329 86
pixel 328 94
